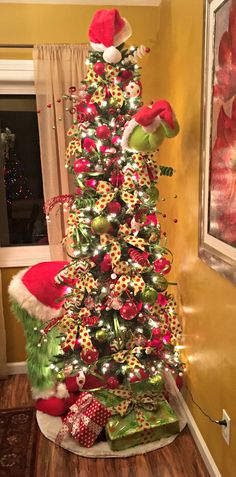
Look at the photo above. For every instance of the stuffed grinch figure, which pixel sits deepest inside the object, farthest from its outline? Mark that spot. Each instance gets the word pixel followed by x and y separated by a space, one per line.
pixel 37 301
pixel 148 128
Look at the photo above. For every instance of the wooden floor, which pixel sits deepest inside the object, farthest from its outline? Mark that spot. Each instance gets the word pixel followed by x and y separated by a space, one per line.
pixel 179 459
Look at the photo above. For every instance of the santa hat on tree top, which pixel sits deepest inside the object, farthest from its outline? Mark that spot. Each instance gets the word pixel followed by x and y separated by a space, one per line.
pixel 107 31
pixel 36 291
pixel 149 126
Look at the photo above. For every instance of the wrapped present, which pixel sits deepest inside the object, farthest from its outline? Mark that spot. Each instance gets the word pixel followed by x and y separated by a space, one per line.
pixel 137 418
pixel 84 421
pixel 154 384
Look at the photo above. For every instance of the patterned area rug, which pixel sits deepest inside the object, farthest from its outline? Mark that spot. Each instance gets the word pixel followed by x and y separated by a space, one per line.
pixel 18 442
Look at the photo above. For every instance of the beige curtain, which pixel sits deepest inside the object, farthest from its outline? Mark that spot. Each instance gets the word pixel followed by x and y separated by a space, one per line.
pixel 3 358
pixel 57 68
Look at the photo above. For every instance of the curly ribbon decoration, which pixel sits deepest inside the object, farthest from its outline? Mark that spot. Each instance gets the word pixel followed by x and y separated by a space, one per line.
pixel 76 417
pixel 115 251
pixel 128 356
pixel 138 53
pixel 135 402
pixel 108 193
pixel 100 93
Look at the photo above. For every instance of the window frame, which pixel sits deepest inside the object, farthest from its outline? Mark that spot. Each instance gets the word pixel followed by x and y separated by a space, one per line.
pixel 17 77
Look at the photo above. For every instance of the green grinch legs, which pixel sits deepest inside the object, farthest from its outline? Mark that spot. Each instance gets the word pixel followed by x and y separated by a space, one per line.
pixel 40 350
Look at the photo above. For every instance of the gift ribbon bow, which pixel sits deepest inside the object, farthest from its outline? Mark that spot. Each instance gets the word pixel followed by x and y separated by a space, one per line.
pixel 108 193
pixel 76 417
pixel 136 282
pixel 70 324
pixel 128 356
pixel 100 93
pixel 115 251
pixel 135 402
pixel 73 147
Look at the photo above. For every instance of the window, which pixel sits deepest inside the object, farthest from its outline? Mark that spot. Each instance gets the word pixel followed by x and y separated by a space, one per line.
pixel 23 231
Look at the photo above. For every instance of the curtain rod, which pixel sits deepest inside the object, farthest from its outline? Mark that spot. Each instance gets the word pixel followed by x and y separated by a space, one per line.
pixel 16 46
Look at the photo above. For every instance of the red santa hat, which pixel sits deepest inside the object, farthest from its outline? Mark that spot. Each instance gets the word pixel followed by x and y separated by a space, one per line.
pixel 107 31
pixel 36 291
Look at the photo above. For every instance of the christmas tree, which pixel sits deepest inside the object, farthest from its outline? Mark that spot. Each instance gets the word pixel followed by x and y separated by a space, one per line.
pixel 119 323
pixel 15 181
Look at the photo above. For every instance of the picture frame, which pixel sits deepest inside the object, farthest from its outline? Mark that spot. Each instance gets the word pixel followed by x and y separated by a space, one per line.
pixel 217 212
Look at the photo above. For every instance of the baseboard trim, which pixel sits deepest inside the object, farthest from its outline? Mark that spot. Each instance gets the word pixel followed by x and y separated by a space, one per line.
pixel 196 434
pixel 17 368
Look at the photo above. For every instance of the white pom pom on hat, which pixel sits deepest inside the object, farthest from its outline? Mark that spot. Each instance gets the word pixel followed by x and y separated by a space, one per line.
pixel 107 31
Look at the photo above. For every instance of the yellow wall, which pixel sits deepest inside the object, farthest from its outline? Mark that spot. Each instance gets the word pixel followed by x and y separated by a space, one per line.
pixel 208 300
pixel 172 71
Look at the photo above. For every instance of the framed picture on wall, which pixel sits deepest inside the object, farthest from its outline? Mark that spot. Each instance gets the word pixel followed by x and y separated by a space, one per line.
pixel 217 244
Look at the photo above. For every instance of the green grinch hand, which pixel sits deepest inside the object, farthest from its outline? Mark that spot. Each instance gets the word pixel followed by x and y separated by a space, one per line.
pixel 148 128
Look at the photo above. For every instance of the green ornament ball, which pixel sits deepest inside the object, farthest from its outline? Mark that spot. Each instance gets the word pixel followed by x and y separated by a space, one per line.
pixel 159 282
pixel 149 295
pixel 100 225
pixel 101 335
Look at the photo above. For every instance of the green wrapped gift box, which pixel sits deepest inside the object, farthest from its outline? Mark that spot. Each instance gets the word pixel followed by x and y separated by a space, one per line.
pixel 126 431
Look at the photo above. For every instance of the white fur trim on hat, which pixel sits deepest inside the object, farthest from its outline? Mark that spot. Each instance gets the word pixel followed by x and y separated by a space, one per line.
pixel 126 134
pixel 153 126
pixel 124 34
pixel 60 392
pixel 18 292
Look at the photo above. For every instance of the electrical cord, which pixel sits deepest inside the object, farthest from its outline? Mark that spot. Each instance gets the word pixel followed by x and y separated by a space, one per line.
pixel 221 422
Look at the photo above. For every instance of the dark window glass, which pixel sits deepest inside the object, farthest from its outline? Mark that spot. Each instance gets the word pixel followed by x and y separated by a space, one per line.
pixel 22 220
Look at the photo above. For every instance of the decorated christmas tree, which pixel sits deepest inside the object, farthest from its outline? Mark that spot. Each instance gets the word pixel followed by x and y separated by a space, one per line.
pixel 117 329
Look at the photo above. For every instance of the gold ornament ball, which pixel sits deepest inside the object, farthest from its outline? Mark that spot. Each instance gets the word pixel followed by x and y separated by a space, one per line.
pixel 149 295
pixel 101 336
pixel 100 225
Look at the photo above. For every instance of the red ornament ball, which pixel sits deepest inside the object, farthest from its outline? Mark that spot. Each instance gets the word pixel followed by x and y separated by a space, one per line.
pixel 126 76
pixel 103 132
pixel 89 144
pixel 114 207
pixel 116 140
pixel 89 355
pixel 91 183
pixel 81 165
pixel 99 68
pixel 128 311
pixel 112 382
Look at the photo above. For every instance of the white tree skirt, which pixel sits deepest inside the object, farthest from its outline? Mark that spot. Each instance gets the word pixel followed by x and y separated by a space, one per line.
pixel 50 427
